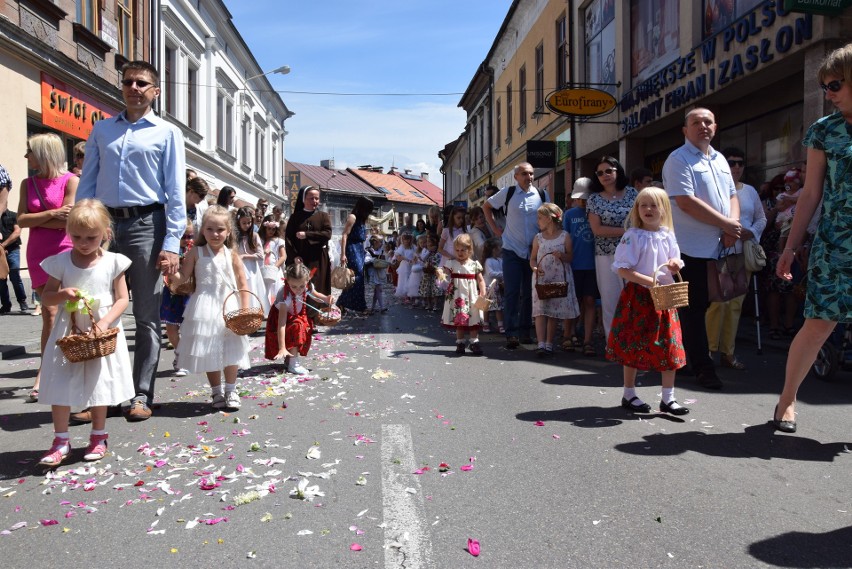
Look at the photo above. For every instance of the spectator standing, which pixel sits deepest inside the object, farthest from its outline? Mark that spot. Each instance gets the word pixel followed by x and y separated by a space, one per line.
pixel 641 178
pixel 5 188
pixel 575 221
pixel 135 165
pixel 11 247
pixel 79 157
pixel 705 210
pixel 307 235
pixel 520 230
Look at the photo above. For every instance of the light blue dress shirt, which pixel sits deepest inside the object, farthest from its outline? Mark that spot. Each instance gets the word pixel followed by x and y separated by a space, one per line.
pixel 521 218
pixel 137 164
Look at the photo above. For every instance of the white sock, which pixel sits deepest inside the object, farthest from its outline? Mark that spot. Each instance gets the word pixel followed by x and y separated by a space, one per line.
pixel 500 323
pixel 65 440
pixel 229 387
pixel 629 393
pixel 98 433
pixel 668 395
pixel 218 389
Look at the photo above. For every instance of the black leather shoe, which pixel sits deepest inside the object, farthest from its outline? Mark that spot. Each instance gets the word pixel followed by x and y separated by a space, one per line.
pixel 781 424
pixel 635 405
pixel 673 408
pixel 460 348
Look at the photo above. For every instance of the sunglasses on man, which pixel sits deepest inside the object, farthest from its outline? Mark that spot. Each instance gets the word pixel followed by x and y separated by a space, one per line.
pixel 139 83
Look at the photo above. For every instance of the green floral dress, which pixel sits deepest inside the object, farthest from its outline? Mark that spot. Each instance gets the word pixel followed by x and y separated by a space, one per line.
pixel 829 294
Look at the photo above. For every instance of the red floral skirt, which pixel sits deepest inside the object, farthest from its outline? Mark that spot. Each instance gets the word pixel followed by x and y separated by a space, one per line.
pixel 643 337
pixel 298 333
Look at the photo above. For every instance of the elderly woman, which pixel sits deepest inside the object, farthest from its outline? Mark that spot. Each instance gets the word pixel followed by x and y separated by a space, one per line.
pixel 307 235
pixel 829 291
pixel 46 199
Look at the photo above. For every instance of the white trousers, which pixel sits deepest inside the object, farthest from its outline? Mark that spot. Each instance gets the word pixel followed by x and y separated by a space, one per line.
pixel 610 286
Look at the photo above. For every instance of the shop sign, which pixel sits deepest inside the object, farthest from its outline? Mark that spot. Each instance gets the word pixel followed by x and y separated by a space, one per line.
pixel 68 110
pixel 741 54
pixel 294 182
pixel 541 153
pixel 824 7
pixel 581 102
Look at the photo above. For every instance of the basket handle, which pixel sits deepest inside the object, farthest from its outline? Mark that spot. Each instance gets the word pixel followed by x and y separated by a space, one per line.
pixel 95 331
pixel 232 293
pixel 564 269
pixel 657 271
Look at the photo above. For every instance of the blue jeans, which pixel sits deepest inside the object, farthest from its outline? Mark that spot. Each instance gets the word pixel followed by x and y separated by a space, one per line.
pixel 517 295
pixel 14 260
pixel 140 239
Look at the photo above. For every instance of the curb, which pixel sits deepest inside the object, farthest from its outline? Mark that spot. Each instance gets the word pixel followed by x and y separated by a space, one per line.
pixel 10 351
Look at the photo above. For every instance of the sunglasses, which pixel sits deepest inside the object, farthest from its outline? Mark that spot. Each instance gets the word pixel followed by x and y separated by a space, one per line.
pixel 139 83
pixel 605 171
pixel 188 236
pixel 740 163
pixel 79 155
pixel 833 86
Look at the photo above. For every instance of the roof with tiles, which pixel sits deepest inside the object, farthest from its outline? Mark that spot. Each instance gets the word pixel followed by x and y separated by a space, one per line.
pixel 394 188
pixel 332 179
pixel 425 187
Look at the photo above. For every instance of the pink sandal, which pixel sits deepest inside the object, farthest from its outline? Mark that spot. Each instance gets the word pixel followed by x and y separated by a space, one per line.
pixel 58 452
pixel 97 447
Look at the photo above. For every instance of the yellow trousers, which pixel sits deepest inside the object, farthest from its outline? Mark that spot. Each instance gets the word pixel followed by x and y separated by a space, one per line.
pixel 722 320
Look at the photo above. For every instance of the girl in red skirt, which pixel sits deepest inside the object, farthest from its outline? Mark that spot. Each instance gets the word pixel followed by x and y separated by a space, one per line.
pixel 642 337
pixel 294 325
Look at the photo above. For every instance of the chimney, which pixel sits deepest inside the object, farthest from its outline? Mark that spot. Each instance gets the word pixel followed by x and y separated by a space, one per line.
pixel 377 169
pixel 393 170
pixel 327 164
pixel 408 172
pixel 424 176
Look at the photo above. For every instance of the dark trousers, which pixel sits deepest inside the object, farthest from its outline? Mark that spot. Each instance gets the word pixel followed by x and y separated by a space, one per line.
pixel 14 260
pixel 517 295
pixel 692 317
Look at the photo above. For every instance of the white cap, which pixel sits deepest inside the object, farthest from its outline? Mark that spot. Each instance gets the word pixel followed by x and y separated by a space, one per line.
pixel 582 189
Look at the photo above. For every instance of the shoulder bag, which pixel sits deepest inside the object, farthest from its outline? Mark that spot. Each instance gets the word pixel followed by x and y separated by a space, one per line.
pixel 726 276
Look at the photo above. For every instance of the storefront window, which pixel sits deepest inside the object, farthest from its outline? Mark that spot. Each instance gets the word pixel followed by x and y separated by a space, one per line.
pixel 719 14
pixel 600 44
pixel 654 36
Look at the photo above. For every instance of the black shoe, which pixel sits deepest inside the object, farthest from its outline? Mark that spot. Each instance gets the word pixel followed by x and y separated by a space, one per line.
pixel 5 309
pixel 635 407
pixel 781 424
pixel 512 343
pixel 475 348
pixel 673 408
pixel 709 379
pixel 459 348
pixel 541 353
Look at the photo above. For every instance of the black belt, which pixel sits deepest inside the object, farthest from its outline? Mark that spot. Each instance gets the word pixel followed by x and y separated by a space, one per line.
pixel 134 211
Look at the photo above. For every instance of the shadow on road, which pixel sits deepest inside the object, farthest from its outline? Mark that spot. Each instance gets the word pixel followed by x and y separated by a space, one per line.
pixel 806 550
pixel 756 441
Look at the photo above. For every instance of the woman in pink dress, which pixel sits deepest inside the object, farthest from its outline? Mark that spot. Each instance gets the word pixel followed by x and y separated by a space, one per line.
pixel 46 199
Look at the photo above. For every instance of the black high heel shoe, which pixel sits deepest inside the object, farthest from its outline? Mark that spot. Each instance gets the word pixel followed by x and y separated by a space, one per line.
pixel 781 424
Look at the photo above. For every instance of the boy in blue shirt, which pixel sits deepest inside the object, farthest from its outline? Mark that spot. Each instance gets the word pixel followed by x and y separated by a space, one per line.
pixel 576 223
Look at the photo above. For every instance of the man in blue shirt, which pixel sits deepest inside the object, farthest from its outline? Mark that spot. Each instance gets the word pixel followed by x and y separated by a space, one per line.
pixel 705 211
pixel 135 165
pixel 521 228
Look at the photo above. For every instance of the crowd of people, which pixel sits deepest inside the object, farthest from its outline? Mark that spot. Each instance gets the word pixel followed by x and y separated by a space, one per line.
pixel 519 266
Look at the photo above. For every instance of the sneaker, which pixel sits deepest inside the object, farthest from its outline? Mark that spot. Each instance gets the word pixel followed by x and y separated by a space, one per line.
pixel 24 308
pixel 97 447
pixel 138 412
pixel 178 371
pixel 232 401
pixel 58 452
pixel 218 400
pixel 297 368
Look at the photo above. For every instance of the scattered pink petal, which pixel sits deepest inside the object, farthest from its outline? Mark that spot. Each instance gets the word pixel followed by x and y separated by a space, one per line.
pixel 355 547
pixel 48 522
pixel 466 467
pixel 69 514
pixel 421 470
pixel 443 467
pixel 557 437
pixel 473 547
pixel 539 423
pixel 214 521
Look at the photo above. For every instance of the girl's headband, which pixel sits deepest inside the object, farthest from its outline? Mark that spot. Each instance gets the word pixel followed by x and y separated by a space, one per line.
pixel 273 224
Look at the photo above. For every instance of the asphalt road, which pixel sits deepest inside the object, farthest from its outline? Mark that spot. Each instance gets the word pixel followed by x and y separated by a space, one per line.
pixel 556 474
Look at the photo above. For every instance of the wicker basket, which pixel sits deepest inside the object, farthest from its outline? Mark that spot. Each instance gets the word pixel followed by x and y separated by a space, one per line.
pixel 329 316
pixel 380 264
pixel 552 290
pixel 243 321
pixel 81 347
pixel 669 296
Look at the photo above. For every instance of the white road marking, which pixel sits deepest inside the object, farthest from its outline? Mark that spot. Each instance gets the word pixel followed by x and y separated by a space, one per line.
pixel 407 540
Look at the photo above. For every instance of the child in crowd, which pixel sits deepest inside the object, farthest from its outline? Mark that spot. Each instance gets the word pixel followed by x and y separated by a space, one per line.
pixel 377 275
pixel 274 256
pixel 296 328
pixel 641 336
pixel 492 252
pixel 455 227
pixel 416 275
pixel 173 305
pixel 550 260
pixel 576 223
pixel 86 272
pixel 431 259
pixel 250 251
pixel 404 256
pixel 206 344
pixel 389 255
pixel 465 283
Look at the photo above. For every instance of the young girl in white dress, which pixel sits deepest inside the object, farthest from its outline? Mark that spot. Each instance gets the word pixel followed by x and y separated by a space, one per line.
pixel 404 255
pixel 454 228
pixel 376 277
pixel 250 250
pixel 85 272
pixel 465 285
pixel 550 260
pixel 274 255
pixel 206 344
pixel 416 275
pixel 492 252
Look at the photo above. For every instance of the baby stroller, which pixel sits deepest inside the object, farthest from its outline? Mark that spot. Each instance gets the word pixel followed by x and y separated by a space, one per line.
pixel 835 354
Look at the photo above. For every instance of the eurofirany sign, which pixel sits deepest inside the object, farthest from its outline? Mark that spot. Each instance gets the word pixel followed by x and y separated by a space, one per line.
pixel 727 56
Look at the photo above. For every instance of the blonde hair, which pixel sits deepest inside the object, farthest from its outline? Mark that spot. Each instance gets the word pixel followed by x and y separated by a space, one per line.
pixel 49 153
pixel 660 199
pixel 838 63
pixel 463 240
pixel 221 212
pixel 552 212
pixel 90 214
pixel 298 271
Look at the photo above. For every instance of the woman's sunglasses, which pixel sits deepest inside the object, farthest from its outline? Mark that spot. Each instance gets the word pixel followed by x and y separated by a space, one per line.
pixel 740 163
pixel 605 171
pixel 833 86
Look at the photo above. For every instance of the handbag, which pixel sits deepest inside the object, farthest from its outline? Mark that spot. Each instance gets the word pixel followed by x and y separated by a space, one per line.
pixel 342 278
pixel 4 265
pixel 558 289
pixel 755 256
pixel 726 277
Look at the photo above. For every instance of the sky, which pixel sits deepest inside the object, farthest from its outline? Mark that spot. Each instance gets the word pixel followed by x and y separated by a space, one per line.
pixel 412 49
